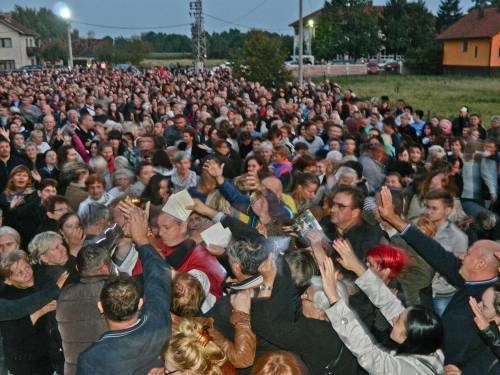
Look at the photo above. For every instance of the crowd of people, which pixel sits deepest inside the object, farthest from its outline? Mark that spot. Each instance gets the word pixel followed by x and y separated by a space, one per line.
pixel 397 272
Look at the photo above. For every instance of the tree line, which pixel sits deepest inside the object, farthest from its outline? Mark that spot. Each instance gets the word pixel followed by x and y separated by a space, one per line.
pixel 51 33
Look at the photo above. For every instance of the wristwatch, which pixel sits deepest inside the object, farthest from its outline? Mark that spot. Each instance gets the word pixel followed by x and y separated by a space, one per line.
pixel 263 287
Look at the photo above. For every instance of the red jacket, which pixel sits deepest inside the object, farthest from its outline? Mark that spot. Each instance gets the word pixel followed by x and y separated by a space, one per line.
pixel 200 259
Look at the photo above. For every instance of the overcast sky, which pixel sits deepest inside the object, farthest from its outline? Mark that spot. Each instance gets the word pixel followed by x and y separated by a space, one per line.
pixel 272 15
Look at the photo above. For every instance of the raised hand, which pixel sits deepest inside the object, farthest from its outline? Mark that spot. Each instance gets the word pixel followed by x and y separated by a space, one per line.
pixel 36 175
pixel 4 133
pixel 139 225
pixel 242 300
pixel 315 236
pixel 215 250
pixel 329 279
pixel 214 169
pixel 348 259
pixel 386 208
pixel 479 318
pixel 268 270
pixel 16 201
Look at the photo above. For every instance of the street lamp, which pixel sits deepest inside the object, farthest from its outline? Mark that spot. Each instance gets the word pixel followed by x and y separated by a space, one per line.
pixel 65 13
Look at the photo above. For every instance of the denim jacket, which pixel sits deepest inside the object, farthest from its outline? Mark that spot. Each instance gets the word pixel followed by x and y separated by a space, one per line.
pixel 136 350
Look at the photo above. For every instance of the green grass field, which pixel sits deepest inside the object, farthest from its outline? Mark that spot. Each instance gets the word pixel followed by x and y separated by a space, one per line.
pixel 437 95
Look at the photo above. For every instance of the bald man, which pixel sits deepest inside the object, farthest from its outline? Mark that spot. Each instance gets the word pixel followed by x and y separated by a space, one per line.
pixel 472 273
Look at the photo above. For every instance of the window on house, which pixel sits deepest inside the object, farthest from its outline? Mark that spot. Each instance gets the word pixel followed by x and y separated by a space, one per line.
pixel 5 43
pixel 464 46
pixel 7 65
pixel 475 51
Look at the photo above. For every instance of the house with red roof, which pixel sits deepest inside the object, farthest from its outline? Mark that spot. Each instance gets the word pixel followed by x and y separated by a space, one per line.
pixel 17 44
pixel 472 44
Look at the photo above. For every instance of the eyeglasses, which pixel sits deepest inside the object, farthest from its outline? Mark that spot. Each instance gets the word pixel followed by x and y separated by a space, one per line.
pixel 340 206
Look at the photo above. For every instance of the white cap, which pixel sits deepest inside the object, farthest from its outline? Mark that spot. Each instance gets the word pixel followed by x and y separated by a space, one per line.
pixel 205 284
pixel 464 109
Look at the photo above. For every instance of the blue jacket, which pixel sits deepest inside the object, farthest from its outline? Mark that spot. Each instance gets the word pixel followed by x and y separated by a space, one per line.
pixel 136 350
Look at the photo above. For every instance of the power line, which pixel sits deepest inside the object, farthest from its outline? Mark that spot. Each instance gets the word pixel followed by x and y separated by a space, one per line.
pixel 273 29
pixel 131 27
pixel 251 10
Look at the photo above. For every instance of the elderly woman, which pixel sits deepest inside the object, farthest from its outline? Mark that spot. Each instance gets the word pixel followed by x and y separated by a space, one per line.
pixel 99 166
pixel 183 177
pixel 9 240
pixel 25 340
pixel 47 250
pixel 51 257
pixel 306 333
pixel 123 179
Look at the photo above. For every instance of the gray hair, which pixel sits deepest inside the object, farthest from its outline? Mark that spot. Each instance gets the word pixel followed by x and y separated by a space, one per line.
pixel 124 172
pixel 179 156
pixel 98 163
pixel 42 243
pixel 5 230
pixel 266 145
pixel 91 257
pixel 97 213
pixel 8 259
pixel 121 162
pixel 248 255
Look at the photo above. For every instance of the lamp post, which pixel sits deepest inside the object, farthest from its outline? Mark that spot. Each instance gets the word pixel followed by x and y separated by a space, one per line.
pixel 301 45
pixel 66 14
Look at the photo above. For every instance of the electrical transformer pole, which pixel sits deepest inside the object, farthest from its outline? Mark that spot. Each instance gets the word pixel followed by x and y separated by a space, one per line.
pixel 198 35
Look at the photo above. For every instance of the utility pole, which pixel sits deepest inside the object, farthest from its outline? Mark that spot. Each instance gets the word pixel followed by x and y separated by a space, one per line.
pixel 198 35
pixel 70 48
pixel 301 45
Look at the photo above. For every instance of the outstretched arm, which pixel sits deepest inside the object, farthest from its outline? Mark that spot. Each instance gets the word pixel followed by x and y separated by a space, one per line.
pixel 433 253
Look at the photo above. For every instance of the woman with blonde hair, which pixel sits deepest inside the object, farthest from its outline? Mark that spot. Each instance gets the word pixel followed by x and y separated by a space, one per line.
pixel 191 350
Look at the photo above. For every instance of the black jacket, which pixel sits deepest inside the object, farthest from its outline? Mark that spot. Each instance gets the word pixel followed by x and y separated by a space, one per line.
pixel 491 337
pixel 462 345
pixel 313 340
pixel 362 235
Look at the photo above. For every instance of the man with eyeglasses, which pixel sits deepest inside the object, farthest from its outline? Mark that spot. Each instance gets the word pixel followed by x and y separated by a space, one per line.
pixel 346 220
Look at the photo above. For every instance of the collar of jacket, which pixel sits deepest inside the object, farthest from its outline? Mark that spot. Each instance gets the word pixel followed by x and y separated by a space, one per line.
pixel 93 279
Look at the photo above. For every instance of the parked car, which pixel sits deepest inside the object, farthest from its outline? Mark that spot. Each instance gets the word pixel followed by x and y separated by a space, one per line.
pixel 372 67
pixel 392 66
pixel 31 68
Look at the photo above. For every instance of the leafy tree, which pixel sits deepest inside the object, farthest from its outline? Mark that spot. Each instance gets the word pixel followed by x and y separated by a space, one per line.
pixel 425 59
pixel 421 28
pixel 346 27
pixel 394 25
pixel 449 12
pixel 262 59
pixel 326 44
pixel 51 30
